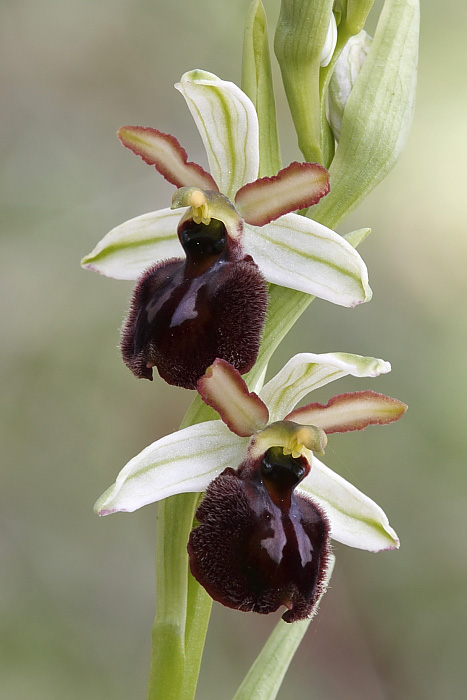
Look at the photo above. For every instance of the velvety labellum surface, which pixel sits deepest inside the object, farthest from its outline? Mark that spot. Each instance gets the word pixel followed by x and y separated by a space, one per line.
pixel 187 312
pixel 260 545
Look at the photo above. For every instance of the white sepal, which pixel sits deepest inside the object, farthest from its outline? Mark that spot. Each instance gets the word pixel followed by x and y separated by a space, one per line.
pixel 299 253
pixel 355 519
pixel 227 122
pixel 127 250
pixel 184 461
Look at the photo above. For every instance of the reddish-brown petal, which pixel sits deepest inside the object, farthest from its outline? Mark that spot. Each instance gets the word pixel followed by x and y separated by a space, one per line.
pixel 223 388
pixel 353 411
pixel 167 155
pixel 298 186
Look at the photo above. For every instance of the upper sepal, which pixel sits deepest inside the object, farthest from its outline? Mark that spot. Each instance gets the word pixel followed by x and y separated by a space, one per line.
pixel 167 155
pixel 307 371
pixel 297 186
pixel 228 125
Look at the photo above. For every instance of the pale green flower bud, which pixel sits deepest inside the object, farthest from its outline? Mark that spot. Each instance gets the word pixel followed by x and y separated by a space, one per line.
pixel 344 76
pixel 329 43
pixel 299 41
pixel 378 113
pixel 352 13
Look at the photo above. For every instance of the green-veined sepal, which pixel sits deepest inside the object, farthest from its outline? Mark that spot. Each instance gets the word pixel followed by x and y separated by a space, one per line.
pixel 227 122
pixel 127 250
pixel 355 519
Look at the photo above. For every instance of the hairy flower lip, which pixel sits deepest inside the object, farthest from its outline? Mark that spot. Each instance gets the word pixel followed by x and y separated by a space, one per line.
pixel 185 313
pixel 278 539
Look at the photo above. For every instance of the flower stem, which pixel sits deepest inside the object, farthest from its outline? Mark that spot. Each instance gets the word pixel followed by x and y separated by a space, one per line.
pixel 183 607
pixel 264 678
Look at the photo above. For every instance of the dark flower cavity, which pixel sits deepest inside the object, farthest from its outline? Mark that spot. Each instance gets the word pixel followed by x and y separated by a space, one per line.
pixel 187 312
pixel 260 545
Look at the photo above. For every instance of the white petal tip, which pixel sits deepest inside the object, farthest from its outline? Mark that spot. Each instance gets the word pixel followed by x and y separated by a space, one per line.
pixel 103 504
pixel 89 266
pixel 393 542
pixel 382 367
pixel 390 548
pixel 93 267
pixel 368 295
pixel 396 544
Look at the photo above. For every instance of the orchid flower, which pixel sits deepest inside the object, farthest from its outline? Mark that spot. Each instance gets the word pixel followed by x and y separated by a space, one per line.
pixel 185 312
pixel 190 459
pixel 290 250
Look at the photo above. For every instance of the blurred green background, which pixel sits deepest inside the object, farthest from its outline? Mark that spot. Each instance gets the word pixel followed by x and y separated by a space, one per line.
pixel 77 592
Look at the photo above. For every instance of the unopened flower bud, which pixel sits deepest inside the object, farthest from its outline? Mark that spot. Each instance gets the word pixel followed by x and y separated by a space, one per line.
pixel 345 74
pixel 330 42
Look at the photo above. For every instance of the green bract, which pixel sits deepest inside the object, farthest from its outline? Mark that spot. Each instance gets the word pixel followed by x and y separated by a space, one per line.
pixel 257 84
pixel 378 112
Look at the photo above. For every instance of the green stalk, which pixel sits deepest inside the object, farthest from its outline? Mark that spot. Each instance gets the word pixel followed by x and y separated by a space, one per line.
pixel 169 658
pixel 183 606
pixel 258 85
pixel 299 39
pixel 265 677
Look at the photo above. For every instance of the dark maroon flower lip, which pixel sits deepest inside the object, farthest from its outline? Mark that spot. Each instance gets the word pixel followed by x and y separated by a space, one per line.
pixel 260 546
pixel 185 313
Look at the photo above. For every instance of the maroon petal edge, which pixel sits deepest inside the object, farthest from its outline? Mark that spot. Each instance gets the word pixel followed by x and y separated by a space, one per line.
pixel 222 407
pixel 196 176
pixel 299 414
pixel 309 182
